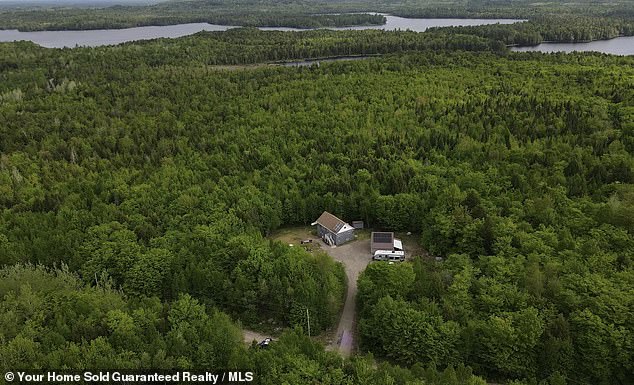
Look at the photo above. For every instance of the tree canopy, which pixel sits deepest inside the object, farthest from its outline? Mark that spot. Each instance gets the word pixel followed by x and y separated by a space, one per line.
pixel 154 177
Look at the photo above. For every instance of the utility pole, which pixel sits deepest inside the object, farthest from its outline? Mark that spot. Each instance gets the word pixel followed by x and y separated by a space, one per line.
pixel 308 318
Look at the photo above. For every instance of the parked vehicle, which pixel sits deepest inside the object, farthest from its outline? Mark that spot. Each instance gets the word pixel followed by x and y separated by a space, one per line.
pixel 389 255
pixel 265 343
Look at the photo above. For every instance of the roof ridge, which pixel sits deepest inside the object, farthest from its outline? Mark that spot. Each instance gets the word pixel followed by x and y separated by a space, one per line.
pixel 330 222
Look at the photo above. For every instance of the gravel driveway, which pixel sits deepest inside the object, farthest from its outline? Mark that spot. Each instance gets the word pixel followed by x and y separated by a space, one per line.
pixel 355 256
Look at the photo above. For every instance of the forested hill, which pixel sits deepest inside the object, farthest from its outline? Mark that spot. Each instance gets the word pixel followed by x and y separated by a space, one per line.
pixel 300 13
pixel 552 28
pixel 271 13
pixel 153 182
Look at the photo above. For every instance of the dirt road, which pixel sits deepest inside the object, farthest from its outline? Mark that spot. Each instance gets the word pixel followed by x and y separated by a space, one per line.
pixel 250 335
pixel 355 256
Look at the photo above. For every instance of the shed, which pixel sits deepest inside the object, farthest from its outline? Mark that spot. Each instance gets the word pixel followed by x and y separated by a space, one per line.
pixel 381 241
pixel 333 230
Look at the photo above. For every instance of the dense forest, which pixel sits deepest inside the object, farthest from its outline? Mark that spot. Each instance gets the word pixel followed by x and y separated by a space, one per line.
pixel 311 12
pixel 139 184
pixel 127 17
pixel 251 46
pixel 559 28
pixel 50 319
pixel 272 13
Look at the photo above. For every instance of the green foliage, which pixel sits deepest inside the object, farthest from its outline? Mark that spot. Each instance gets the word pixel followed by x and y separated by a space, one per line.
pixel 50 319
pixel 159 175
pixel 401 332
pixel 295 359
pixel 384 280
pixel 553 28
pixel 297 14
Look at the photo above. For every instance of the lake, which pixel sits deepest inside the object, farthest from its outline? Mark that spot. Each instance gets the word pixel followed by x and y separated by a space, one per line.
pixel 617 46
pixel 60 39
pixel 92 38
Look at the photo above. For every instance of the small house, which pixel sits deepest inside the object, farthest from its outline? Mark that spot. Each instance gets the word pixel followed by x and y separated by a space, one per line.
pixel 333 230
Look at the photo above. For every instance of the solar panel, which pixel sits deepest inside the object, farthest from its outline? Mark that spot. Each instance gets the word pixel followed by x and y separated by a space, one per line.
pixel 382 237
pixel 338 227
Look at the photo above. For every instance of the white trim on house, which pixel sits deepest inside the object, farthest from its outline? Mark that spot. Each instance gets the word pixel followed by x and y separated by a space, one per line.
pixel 344 228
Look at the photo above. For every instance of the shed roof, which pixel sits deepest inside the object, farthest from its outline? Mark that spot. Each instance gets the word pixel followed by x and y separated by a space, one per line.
pixel 330 222
pixel 383 238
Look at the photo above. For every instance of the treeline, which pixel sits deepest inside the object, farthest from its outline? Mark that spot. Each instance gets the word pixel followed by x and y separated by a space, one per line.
pixel 260 14
pixel 496 9
pixel 564 28
pixel 52 320
pixel 249 46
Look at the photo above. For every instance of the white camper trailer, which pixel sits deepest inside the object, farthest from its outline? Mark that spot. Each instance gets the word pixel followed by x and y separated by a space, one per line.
pixel 389 255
